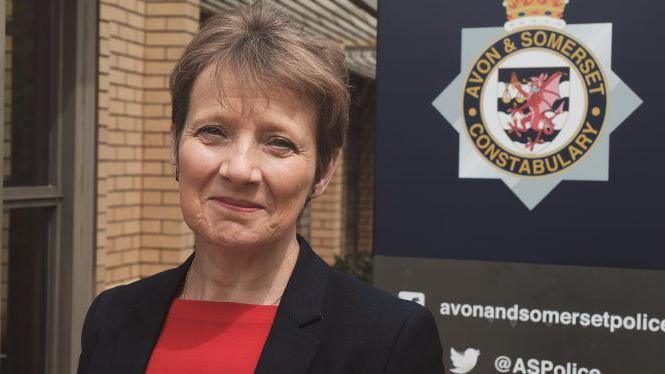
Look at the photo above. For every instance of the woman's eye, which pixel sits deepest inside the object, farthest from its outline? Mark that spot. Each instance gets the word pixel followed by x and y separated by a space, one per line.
pixel 281 143
pixel 212 130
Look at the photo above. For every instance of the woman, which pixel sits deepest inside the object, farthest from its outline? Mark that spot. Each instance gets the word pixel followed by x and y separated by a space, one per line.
pixel 259 114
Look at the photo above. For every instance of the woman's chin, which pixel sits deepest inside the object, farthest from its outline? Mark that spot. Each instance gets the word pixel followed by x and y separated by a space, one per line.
pixel 228 232
pixel 235 235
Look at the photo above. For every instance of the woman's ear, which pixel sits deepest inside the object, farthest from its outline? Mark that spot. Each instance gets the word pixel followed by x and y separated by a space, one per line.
pixel 174 152
pixel 320 187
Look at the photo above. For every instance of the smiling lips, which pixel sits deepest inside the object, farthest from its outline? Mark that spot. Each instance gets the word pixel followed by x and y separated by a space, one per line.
pixel 242 206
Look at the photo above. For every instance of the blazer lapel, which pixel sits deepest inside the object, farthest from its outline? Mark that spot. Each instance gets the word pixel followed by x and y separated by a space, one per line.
pixel 289 349
pixel 141 331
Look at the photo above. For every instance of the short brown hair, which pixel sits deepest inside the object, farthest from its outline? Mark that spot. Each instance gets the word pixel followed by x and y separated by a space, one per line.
pixel 262 48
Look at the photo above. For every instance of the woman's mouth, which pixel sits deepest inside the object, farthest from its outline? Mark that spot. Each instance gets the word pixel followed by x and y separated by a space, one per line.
pixel 242 206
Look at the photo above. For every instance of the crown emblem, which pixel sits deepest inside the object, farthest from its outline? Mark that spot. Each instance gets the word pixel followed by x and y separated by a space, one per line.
pixel 525 13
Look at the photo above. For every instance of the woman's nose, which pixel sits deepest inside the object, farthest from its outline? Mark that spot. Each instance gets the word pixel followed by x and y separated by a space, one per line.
pixel 240 165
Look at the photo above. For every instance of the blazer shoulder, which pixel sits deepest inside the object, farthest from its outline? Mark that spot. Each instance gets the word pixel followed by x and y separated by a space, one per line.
pixel 368 299
pixel 128 294
pixel 403 334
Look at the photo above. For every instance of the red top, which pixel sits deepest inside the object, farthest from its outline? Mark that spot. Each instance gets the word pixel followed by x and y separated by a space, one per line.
pixel 211 337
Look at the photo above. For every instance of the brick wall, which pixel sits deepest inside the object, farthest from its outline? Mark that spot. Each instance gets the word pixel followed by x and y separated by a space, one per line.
pixel 140 229
pixel 166 240
pixel 327 217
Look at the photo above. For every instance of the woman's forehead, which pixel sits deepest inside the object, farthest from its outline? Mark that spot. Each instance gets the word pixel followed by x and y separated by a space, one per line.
pixel 228 99
pixel 229 92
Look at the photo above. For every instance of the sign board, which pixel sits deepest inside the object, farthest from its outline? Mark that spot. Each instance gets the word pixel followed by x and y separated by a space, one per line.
pixel 520 181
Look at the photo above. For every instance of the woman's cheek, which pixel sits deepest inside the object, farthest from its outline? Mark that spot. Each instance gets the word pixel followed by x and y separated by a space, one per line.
pixel 289 179
pixel 199 157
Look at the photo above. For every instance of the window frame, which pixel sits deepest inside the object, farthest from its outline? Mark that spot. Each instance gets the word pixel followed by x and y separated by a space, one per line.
pixel 73 189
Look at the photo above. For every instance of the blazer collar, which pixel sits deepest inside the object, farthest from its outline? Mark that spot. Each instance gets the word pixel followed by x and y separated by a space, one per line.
pixel 140 333
pixel 288 348
pixel 302 300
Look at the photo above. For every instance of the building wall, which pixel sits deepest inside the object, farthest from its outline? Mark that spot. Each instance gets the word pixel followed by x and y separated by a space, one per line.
pixel 139 226
pixel 328 217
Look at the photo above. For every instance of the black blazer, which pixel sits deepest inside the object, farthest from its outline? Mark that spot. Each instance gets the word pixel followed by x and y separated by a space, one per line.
pixel 327 322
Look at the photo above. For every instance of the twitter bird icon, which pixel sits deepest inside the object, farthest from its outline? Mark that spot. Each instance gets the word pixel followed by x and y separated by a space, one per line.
pixel 464 362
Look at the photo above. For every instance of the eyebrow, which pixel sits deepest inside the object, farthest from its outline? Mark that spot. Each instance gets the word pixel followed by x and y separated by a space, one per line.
pixel 210 115
pixel 276 125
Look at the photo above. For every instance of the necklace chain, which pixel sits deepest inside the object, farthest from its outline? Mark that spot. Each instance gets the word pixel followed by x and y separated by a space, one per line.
pixel 185 286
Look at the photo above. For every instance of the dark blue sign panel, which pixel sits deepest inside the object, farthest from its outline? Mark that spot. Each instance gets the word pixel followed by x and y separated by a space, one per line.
pixel 520 146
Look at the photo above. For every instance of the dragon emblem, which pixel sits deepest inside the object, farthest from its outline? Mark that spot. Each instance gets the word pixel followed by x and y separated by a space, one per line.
pixel 534 104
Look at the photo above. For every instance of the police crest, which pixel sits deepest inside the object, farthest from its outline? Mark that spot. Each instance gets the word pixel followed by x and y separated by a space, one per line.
pixel 538 100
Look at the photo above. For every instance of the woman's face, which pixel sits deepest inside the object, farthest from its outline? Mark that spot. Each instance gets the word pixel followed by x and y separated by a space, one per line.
pixel 245 175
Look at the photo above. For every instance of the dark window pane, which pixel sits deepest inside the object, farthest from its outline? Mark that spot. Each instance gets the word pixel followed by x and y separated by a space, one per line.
pixel 28 79
pixel 26 240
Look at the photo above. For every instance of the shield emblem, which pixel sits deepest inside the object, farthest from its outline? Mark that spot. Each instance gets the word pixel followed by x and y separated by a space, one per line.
pixel 533 105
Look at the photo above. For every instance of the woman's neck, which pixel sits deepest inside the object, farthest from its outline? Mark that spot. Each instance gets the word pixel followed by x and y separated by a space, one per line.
pixel 255 275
